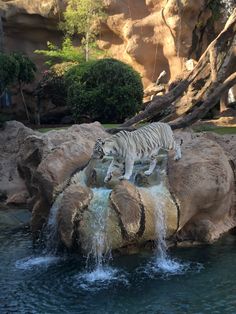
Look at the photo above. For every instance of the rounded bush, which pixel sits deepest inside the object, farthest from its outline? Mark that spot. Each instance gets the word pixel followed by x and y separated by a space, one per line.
pixel 107 90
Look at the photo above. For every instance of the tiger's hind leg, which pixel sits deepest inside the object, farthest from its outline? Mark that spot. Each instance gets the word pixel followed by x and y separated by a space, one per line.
pixel 178 154
pixel 151 166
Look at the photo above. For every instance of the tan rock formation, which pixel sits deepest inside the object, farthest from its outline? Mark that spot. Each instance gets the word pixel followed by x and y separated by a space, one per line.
pixel 200 207
pixel 203 185
pixel 75 200
pixel 150 35
pixel 12 187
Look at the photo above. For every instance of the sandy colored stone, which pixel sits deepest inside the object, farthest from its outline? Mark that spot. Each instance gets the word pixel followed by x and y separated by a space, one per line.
pixel 202 182
pixel 75 200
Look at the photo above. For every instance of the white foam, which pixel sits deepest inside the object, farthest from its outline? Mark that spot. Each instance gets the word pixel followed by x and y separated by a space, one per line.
pixel 100 278
pixel 31 262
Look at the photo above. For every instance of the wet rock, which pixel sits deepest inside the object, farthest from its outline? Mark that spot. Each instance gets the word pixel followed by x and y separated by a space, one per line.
pixel 126 201
pixel 74 202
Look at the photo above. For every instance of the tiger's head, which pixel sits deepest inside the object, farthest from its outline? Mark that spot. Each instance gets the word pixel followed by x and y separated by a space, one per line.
pixel 104 148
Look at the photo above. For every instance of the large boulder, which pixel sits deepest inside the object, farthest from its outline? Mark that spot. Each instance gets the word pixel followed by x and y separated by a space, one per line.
pixel 13 188
pixel 202 183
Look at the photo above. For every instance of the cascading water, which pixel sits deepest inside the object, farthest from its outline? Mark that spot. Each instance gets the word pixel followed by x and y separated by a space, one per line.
pixel 162 262
pixel 51 228
pixel 49 254
pixel 97 263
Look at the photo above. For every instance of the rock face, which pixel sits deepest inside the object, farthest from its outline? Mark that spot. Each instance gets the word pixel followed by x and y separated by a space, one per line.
pixel 151 35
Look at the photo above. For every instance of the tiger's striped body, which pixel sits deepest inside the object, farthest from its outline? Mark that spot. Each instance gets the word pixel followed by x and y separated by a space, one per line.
pixel 141 144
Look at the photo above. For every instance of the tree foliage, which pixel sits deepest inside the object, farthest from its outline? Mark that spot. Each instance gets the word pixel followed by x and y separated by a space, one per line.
pixel 107 90
pixel 67 52
pixel 26 68
pixel 81 17
pixel 9 69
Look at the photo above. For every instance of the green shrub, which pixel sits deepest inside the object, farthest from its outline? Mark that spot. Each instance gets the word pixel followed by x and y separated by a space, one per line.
pixel 52 84
pixel 107 90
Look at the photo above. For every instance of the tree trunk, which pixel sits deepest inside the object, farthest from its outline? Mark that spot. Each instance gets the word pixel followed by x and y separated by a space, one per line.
pixel 1 36
pixel 23 99
pixel 214 66
pixel 224 102
pixel 87 47
pixel 208 104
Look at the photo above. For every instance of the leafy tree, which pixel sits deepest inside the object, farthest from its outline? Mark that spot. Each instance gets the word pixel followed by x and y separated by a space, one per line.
pixel 9 69
pixel 81 17
pixel 67 53
pixel 107 90
pixel 25 74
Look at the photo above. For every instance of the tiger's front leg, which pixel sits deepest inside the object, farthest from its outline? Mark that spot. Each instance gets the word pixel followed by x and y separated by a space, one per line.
pixel 129 165
pixel 109 172
pixel 151 167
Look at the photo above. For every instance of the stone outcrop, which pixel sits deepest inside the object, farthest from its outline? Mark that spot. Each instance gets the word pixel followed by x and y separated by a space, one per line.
pixel 199 206
pixel 197 196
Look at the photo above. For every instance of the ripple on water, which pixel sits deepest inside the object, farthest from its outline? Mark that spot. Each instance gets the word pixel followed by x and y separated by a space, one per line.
pixel 168 267
pixel 39 261
pixel 100 278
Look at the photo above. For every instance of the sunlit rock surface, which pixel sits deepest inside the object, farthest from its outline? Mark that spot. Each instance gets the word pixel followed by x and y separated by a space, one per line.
pixel 151 35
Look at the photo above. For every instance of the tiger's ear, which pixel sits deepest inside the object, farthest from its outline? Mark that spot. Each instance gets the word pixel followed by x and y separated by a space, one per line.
pixel 100 141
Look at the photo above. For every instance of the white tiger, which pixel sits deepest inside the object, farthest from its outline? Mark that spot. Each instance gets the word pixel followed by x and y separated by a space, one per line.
pixel 143 143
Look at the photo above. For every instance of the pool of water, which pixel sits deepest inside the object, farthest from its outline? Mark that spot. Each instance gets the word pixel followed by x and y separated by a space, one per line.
pixel 32 282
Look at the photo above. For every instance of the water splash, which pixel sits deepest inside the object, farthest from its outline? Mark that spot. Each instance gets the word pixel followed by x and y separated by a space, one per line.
pixel 39 261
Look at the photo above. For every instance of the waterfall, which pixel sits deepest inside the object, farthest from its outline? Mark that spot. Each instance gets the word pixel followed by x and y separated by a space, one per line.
pixel 98 246
pixel 51 228
pixel 48 256
pixel 162 262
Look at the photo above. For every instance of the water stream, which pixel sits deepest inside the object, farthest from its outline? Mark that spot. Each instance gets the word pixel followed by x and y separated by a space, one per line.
pixel 49 254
